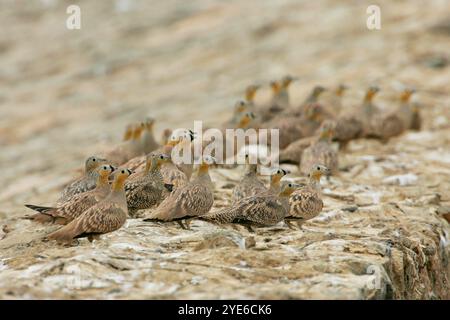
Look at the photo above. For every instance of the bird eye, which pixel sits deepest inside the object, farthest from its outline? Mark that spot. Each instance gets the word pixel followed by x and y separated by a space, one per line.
pixel 161 157
pixel 123 171
pixel 290 185
pixel 318 168
pixel 94 159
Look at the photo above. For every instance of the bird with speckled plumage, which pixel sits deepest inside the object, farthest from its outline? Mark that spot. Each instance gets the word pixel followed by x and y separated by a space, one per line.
pixel 106 216
pixel 306 203
pixel 265 209
pixel 146 188
pixel 193 199
pixel 77 204
pixel 321 151
pixel 86 182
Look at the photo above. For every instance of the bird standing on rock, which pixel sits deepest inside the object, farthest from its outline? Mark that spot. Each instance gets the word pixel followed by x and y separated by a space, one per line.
pixel 249 184
pixel 106 216
pixel 146 188
pixel 306 203
pixel 86 182
pixel 333 100
pixel 193 199
pixel 280 98
pixel 265 209
pixel 404 118
pixel 77 204
pixel 148 141
pixel 370 113
pixel 321 151
pixel 250 93
pixel 127 149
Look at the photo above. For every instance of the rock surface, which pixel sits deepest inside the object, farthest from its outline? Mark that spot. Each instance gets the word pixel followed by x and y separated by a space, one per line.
pixel 67 94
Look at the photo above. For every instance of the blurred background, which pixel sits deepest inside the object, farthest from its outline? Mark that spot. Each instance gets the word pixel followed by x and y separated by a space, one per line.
pixel 66 94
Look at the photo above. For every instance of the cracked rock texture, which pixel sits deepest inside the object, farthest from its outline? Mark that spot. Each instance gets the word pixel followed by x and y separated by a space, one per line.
pixel 65 95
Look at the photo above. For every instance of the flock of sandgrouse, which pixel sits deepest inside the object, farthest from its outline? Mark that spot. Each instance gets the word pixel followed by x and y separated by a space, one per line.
pixel 139 173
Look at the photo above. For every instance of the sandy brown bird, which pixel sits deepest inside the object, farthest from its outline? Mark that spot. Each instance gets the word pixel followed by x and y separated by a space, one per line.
pixel 86 182
pixel 145 189
pixel 249 184
pixel 77 204
pixel 349 126
pixel 292 128
pixel 280 98
pixel 312 98
pixel 275 180
pixel 148 141
pixel 370 113
pixel 217 145
pixel 170 171
pixel 264 209
pixel 250 93
pixel 127 149
pixel 178 170
pixel 240 107
pixel 332 101
pixel 293 152
pixel 306 203
pixel 106 216
pixel 406 117
pixel 321 151
pixel 193 199
pixel 128 132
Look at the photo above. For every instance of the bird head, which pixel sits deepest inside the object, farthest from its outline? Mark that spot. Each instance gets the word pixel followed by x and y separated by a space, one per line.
pixel 371 92
pixel 287 80
pixel 149 123
pixel 277 174
pixel 317 171
pixel 93 163
pixel 340 90
pixel 250 92
pixel 406 94
pixel 240 107
pixel 287 188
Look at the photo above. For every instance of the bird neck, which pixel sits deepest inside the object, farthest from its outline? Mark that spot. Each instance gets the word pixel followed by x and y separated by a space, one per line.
pixel 250 169
pixel 250 96
pixel 118 184
pixel 313 97
pixel 275 182
pixel 405 97
pixel 314 182
pixel 127 135
pixel 203 169
pixel 152 166
pixel 325 136
pixel 243 123
pixel 339 92
pixel 102 180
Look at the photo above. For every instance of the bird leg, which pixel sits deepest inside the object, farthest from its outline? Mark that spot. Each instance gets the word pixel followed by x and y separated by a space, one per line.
pixel 93 237
pixel 187 223
pixel 288 223
pixel 249 228
pixel 184 225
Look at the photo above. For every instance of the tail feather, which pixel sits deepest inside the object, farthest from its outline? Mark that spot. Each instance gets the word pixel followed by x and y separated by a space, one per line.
pixel 65 234
pixel 40 209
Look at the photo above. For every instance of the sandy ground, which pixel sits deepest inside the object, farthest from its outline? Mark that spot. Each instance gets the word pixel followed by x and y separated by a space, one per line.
pixel 67 94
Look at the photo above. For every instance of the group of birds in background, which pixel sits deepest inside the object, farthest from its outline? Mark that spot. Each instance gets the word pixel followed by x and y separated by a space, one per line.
pixel 140 173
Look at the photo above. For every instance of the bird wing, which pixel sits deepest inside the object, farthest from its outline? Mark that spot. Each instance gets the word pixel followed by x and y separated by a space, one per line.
pixel 103 218
pixel 305 204
pixel 264 210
